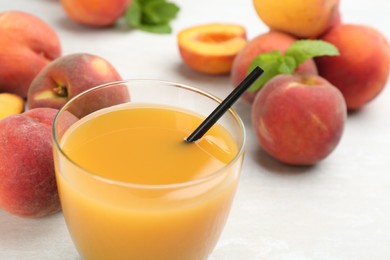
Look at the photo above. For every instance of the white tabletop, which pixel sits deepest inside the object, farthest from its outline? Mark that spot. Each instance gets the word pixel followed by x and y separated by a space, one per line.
pixel 338 209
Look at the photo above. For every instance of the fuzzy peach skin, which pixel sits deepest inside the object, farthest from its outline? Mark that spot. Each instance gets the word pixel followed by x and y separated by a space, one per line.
pixel 27 45
pixel 265 42
pixel 301 18
pixel 361 71
pixel 299 119
pixel 27 180
pixel 211 48
pixel 96 13
pixel 70 75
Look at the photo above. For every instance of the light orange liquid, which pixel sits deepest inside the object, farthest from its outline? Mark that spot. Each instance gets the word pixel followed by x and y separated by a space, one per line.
pixel 146 211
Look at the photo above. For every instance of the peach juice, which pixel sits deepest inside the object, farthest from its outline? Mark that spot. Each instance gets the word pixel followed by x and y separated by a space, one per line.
pixel 132 188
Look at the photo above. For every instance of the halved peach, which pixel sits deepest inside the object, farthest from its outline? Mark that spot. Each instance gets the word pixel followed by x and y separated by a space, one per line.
pixel 211 48
pixel 10 104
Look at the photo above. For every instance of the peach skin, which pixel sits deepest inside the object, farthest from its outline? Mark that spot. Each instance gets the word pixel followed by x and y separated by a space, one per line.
pixel 70 75
pixel 96 13
pixel 301 18
pixel 361 71
pixel 27 181
pixel 27 45
pixel 299 119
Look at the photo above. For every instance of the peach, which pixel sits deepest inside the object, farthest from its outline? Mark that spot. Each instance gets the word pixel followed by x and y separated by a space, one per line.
pixel 27 45
pixel 70 75
pixel 299 119
pixel 10 104
pixel 261 44
pixel 27 180
pixel 211 48
pixel 96 13
pixel 301 18
pixel 361 70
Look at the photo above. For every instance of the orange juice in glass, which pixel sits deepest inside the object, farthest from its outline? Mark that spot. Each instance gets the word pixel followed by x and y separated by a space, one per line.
pixel 130 186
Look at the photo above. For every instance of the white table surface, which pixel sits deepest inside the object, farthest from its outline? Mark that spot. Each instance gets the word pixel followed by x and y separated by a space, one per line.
pixel 338 209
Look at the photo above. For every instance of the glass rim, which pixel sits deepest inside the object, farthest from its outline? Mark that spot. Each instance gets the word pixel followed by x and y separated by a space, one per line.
pixel 90 174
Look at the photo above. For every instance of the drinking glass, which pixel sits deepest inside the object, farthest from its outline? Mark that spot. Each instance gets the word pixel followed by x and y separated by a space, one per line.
pixel 111 219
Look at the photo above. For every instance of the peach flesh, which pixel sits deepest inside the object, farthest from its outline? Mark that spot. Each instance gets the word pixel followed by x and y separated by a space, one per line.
pixel 10 104
pixel 211 48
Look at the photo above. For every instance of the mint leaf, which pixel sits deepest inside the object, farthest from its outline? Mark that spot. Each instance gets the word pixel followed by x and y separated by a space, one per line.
pixel 274 62
pixel 160 12
pixel 133 14
pixel 151 15
pixel 302 50
pixel 161 28
pixel 145 2
pixel 287 65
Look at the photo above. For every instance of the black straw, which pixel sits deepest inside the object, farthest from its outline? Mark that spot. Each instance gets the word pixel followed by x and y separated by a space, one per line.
pixel 225 105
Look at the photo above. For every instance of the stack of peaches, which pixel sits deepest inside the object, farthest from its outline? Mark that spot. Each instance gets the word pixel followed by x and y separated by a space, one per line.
pixel 35 74
pixel 298 115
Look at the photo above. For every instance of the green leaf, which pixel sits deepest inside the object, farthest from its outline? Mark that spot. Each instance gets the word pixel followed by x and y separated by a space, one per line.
pixel 133 14
pixel 152 15
pixel 302 50
pixel 160 29
pixel 149 15
pixel 146 2
pixel 160 12
pixel 287 65
pixel 273 63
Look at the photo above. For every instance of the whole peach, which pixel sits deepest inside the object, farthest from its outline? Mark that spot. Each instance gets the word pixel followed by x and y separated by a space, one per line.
pixel 97 13
pixel 261 44
pixel 70 75
pixel 27 45
pixel 299 119
pixel 27 180
pixel 301 18
pixel 362 69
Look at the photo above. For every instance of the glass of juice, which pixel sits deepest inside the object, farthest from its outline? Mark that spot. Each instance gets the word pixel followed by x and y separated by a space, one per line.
pixel 129 184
